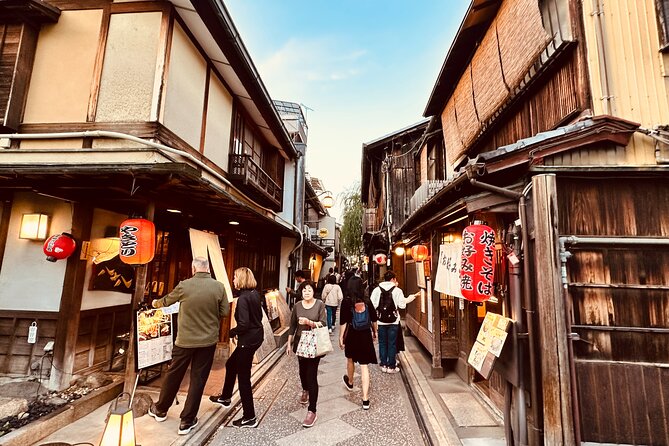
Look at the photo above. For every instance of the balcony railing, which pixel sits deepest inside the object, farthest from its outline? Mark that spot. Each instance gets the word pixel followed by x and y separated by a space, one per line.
pixel 260 185
pixel 423 194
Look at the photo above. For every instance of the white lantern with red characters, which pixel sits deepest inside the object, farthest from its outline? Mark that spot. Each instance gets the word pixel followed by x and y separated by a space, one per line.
pixel 380 258
pixel 477 268
pixel 59 246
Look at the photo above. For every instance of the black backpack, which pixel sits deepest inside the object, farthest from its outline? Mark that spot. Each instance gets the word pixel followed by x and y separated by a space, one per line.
pixel 387 310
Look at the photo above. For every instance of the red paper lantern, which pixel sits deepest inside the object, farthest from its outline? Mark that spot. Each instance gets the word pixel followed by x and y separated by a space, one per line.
pixel 138 241
pixel 419 253
pixel 477 270
pixel 58 247
pixel 380 258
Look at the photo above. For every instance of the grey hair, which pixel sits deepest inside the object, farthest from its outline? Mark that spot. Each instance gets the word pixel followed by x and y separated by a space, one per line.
pixel 201 264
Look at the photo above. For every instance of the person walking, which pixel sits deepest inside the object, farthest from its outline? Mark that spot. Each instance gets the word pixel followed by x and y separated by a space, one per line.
pixel 332 296
pixel 356 337
pixel 203 303
pixel 387 299
pixel 306 315
pixel 249 334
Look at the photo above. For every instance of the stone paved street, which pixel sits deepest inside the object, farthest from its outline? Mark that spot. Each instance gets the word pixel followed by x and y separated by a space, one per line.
pixel 341 419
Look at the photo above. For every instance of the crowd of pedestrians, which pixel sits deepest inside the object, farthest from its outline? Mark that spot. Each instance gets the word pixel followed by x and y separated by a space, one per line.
pixel 364 317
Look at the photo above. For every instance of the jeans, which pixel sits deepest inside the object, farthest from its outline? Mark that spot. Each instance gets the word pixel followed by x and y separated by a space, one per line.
pixel 200 360
pixel 388 344
pixel 309 378
pixel 332 316
pixel 238 367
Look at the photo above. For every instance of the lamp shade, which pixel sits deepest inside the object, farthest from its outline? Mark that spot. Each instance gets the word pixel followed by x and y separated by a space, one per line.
pixel 419 253
pixel 59 246
pixel 477 270
pixel 380 258
pixel 34 226
pixel 120 427
pixel 138 241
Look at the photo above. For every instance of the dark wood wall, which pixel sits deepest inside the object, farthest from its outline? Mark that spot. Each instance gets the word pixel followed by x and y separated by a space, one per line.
pixel 16 355
pixel 620 301
pixel 98 329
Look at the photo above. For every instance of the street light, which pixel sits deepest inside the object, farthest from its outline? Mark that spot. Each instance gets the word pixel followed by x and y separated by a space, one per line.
pixel 327 200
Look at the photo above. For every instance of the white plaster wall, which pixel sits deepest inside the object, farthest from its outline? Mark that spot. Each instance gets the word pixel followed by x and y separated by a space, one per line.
pixel 129 71
pixel 27 280
pixel 288 210
pixel 62 74
pixel 219 123
pixel 97 298
pixel 184 97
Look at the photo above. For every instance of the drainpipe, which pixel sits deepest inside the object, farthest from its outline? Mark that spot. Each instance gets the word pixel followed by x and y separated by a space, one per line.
pixel 300 186
pixel 600 33
pixel 564 256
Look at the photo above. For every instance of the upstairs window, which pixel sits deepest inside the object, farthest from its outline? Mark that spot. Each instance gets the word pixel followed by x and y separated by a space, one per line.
pixel 662 9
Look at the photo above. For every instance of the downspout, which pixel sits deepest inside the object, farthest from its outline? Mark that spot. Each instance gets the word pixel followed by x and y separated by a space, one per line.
pixel 389 217
pixel 601 52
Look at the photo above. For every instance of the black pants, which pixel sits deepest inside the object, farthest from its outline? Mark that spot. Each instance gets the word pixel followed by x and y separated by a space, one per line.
pixel 200 360
pixel 309 378
pixel 238 367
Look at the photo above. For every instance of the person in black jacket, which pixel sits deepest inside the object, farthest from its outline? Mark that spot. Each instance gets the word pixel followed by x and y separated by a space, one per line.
pixel 249 334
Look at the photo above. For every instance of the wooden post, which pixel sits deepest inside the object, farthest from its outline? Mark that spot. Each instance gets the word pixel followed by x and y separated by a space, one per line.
pixel 437 369
pixel 137 296
pixel 556 382
pixel 67 326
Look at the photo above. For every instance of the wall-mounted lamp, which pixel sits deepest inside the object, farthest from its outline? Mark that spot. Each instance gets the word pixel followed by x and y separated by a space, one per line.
pixel 327 200
pixel 34 226
pixel 399 251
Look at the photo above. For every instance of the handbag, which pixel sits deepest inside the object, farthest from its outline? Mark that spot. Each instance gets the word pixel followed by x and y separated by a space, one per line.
pixel 306 348
pixel 323 343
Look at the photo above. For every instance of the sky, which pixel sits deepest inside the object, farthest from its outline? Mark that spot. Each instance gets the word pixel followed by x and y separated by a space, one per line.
pixel 364 69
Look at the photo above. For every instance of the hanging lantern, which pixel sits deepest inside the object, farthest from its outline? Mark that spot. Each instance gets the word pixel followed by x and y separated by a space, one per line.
pixel 58 247
pixel 477 268
pixel 419 253
pixel 138 241
pixel 380 258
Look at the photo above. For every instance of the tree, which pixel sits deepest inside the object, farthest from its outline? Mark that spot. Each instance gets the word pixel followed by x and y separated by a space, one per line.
pixel 350 241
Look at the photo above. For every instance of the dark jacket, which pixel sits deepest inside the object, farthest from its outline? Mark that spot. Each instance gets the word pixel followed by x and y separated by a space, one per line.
pixel 203 303
pixel 248 315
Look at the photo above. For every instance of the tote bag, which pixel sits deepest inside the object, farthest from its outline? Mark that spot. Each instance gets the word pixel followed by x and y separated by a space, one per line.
pixel 323 343
pixel 306 348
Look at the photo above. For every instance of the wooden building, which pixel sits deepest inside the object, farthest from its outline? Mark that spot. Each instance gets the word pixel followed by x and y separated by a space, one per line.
pixel 118 108
pixel 553 116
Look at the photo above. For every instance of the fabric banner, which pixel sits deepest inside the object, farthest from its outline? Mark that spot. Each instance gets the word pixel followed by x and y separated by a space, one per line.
pixel 202 243
pixel 448 269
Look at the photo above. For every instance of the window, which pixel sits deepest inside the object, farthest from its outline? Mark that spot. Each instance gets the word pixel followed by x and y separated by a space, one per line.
pixel 662 8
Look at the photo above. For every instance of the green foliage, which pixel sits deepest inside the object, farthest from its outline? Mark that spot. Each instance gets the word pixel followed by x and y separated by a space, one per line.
pixel 350 240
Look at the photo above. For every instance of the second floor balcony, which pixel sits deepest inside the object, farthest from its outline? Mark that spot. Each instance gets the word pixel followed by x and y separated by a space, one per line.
pixel 247 174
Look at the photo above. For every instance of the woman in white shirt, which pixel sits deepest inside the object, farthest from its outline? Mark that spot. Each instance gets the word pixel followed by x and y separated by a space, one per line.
pixel 332 296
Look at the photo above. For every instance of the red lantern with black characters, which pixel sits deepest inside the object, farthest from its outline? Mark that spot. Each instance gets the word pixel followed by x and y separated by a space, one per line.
pixel 380 258
pixel 419 253
pixel 59 246
pixel 138 241
pixel 477 270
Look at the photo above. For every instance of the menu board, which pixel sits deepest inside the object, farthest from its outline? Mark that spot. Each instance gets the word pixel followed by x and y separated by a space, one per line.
pixel 154 337
pixel 489 343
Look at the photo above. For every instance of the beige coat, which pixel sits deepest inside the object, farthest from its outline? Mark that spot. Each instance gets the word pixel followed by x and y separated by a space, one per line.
pixel 332 295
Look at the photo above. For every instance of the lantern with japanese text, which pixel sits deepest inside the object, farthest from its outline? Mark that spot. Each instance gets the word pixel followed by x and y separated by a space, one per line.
pixel 477 267
pixel 419 253
pixel 58 247
pixel 380 258
pixel 138 241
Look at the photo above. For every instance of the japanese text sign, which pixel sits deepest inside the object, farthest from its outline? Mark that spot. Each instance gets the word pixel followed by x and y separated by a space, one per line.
pixel 476 265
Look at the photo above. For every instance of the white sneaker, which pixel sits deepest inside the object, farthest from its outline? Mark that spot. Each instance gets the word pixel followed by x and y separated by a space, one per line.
pixel 395 370
pixel 384 369
pixel 330 330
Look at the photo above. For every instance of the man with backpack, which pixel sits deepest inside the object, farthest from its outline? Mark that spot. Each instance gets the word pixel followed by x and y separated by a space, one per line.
pixel 387 299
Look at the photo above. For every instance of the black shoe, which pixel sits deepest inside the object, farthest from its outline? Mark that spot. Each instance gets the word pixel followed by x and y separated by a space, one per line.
pixel 155 413
pixel 365 404
pixel 348 385
pixel 218 399
pixel 241 422
pixel 185 427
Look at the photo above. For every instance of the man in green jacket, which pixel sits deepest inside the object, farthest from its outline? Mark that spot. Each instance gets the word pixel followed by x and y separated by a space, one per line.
pixel 202 304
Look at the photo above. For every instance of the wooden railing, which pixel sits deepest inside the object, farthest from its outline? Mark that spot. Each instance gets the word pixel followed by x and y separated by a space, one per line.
pixel 244 169
pixel 371 221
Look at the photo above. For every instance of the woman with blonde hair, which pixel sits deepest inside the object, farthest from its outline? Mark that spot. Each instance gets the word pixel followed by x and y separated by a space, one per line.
pixel 249 331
